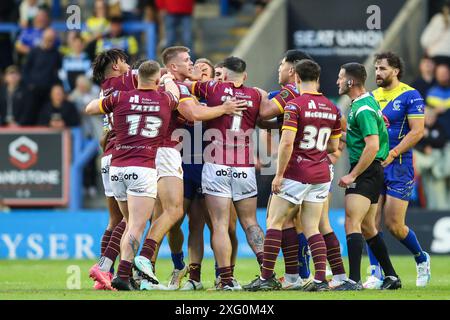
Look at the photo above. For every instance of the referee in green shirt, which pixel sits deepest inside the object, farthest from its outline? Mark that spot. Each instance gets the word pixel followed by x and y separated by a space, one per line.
pixel 368 145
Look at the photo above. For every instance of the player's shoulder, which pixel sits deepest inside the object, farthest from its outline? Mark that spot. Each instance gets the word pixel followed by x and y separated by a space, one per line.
pixel 407 92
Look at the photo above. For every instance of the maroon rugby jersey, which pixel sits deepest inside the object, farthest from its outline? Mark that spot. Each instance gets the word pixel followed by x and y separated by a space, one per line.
pixel 235 138
pixel 286 94
pixel 176 120
pixel 141 119
pixel 315 119
pixel 125 82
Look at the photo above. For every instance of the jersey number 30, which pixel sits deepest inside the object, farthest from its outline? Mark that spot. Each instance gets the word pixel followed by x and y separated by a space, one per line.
pixel 151 128
pixel 315 138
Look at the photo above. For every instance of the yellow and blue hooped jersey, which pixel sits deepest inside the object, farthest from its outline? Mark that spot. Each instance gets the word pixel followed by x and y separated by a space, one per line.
pixel 398 105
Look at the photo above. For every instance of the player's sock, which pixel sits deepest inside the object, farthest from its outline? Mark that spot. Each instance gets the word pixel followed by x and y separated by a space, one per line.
pixel 177 260
pixel 319 256
pixel 232 270
pixel 413 245
pixel 375 265
pixel 260 257
pixel 355 244
pixel 272 244
pixel 225 275
pixel 195 271
pixel 303 257
pixel 124 270
pixel 105 240
pixel 334 253
pixel 148 249
pixel 289 247
pixel 113 248
pixel 105 264
pixel 216 268
pixel 154 266
pixel 379 249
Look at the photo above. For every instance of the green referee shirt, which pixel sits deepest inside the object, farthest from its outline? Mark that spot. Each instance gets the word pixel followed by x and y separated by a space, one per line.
pixel 365 118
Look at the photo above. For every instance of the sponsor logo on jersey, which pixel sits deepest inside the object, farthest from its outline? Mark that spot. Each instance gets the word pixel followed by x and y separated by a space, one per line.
pixel 396 105
pixel 290 107
pixel 184 90
pixel 284 94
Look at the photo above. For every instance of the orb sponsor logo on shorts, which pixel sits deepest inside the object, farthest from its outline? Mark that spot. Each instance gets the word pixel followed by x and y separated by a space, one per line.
pixel 321 197
pixel 228 173
pixel 290 195
pixel 140 190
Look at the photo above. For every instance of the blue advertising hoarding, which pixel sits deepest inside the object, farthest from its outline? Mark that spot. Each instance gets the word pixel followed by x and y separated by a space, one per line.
pixel 77 235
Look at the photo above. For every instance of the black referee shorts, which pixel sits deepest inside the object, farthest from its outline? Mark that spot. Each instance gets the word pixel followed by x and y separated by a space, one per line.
pixel 369 183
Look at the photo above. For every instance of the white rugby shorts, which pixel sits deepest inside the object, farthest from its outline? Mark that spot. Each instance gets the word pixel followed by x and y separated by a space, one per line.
pixel 135 181
pixel 168 163
pixel 106 163
pixel 236 183
pixel 297 192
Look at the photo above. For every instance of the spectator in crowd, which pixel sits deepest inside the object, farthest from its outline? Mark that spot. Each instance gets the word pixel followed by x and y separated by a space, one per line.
pixel 14 99
pixel 91 126
pixel 435 39
pixel 74 63
pixel 59 113
pixel 429 155
pixel 129 9
pixel 7 14
pixel 83 93
pixel 426 79
pixel 98 24
pixel 117 39
pixel 438 96
pixel 31 37
pixel 28 9
pixel 177 15
pixel 260 5
pixel 41 71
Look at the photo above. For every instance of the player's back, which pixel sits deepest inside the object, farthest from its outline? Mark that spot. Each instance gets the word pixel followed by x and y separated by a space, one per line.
pixel 315 119
pixel 236 131
pixel 141 119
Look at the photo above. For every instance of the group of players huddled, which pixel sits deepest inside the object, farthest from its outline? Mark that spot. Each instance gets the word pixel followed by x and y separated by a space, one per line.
pixel 178 140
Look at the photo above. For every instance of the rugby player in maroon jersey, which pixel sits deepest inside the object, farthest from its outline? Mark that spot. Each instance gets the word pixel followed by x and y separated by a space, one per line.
pixel 141 118
pixel 111 70
pixel 293 237
pixel 229 173
pixel 311 129
pixel 169 167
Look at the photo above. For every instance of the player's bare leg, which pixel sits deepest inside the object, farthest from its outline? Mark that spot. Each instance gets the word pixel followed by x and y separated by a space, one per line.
pixel 170 193
pixel 310 216
pixel 233 236
pixel 110 243
pixel 196 214
pixel 139 211
pixel 376 243
pixel 334 256
pixel 279 211
pixel 175 238
pixel 246 212
pixel 219 212
pixel 394 216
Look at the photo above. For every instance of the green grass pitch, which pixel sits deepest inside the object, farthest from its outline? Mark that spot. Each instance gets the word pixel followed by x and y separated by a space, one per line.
pixel 25 279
